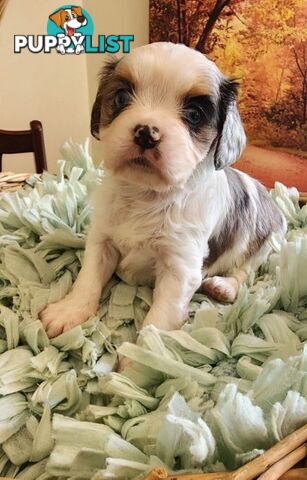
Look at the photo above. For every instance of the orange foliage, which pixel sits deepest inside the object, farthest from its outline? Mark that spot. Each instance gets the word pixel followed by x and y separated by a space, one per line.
pixel 263 43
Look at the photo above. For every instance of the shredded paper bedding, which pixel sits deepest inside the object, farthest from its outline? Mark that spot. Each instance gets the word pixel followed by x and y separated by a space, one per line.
pixel 209 397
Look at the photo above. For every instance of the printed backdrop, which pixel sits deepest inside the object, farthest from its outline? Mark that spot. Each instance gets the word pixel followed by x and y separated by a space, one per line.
pixel 263 43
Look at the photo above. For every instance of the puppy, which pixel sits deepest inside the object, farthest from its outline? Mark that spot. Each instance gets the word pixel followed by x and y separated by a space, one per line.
pixel 170 212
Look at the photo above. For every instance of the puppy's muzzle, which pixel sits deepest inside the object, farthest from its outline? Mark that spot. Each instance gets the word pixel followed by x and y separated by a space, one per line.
pixel 146 137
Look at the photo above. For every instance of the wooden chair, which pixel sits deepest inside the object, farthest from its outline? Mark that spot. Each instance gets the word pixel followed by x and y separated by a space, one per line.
pixel 23 141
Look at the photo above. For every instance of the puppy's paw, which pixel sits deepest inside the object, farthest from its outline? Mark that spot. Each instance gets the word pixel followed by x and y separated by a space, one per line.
pixel 222 289
pixel 64 315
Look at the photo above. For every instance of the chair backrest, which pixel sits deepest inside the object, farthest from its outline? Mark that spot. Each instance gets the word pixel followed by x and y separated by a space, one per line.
pixel 24 141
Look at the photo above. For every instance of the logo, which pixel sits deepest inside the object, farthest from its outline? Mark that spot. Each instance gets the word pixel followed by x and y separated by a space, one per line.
pixel 70 30
pixel 70 24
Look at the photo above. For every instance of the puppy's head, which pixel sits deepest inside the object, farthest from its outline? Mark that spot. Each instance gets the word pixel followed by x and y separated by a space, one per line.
pixel 160 111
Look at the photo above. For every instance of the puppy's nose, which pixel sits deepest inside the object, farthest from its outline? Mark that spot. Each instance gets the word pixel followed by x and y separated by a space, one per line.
pixel 81 19
pixel 146 136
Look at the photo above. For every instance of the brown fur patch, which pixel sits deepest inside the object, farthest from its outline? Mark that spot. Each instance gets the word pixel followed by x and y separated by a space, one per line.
pixel 103 112
pixel 77 10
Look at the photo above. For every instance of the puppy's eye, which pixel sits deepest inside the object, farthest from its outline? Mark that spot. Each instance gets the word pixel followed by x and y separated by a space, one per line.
pixel 193 115
pixel 198 111
pixel 122 98
pixel 67 18
pixel 74 15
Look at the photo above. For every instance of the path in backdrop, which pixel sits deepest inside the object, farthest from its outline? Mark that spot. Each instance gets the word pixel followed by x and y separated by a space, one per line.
pixel 269 166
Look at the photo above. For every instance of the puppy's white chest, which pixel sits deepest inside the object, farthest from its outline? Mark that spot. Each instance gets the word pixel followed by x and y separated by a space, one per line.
pixel 137 257
pixel 136 239
pixel 137 267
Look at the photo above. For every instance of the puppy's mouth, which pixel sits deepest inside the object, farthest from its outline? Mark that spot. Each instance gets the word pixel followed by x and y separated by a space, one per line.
pixel 140 166
pixel 141 163
pixel 70 31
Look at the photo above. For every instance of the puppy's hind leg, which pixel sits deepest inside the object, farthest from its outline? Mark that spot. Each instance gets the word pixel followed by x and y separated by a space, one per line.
pixel 225 289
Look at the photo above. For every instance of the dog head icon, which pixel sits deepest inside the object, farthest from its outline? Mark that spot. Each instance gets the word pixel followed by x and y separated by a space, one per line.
pixel 69 19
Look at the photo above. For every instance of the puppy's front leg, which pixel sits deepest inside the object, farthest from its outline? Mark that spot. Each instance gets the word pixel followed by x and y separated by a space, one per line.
pixel 100 261
pixel 173 291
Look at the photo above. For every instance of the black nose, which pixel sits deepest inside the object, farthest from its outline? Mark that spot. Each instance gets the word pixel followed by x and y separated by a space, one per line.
pixel 81 19
pixel 146 137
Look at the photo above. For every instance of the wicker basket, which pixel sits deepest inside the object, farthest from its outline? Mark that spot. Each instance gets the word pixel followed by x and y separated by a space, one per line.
pixel 274 464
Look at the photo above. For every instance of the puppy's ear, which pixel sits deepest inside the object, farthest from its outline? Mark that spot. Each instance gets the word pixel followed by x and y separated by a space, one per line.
pixel 96 114
pixel 231 138
pixel 102 108
pixel 56 17
pixel 77 10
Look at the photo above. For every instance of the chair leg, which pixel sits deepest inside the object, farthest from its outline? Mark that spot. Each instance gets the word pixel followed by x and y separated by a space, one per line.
pixel 38 146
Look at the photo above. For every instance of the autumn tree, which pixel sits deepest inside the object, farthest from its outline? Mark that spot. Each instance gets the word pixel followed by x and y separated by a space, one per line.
pixel 190 21
pixel 262 43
